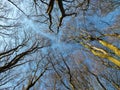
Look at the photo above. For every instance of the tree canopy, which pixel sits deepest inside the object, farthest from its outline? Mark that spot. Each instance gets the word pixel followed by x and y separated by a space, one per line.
pixel 59 44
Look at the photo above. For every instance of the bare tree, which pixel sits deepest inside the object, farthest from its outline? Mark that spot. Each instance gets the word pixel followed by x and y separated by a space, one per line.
pixel 85 47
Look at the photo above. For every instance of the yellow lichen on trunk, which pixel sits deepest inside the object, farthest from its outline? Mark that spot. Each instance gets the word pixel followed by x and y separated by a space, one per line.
pixel 111 47
pixel 115 61
pixel 107 56
pixel 102 53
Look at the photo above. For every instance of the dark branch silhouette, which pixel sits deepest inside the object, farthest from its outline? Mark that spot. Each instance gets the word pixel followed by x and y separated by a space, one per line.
pixel 62 10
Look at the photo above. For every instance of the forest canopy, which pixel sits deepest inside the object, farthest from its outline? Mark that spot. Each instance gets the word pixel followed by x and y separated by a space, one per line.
pixel 59 45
